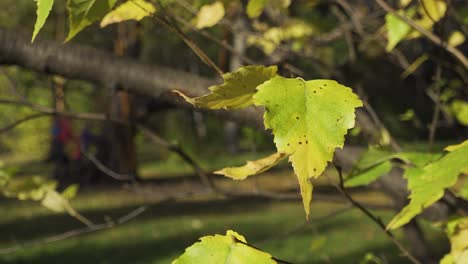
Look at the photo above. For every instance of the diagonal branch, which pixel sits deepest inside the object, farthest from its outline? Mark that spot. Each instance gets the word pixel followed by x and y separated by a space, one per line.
pixel 429 35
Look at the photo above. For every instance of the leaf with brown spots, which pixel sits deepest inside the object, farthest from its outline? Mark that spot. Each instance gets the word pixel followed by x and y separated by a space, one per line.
pixel 309 120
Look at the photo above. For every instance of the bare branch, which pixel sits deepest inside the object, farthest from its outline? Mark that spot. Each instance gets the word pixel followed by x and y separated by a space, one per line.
pixel 76 232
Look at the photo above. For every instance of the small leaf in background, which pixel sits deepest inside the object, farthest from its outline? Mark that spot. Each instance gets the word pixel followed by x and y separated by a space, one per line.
pixel 309 120
pixel 237 90
pixel 29 188
pixel 368 176
pixel 252 167
pixel 4 178
pixel 397 29
pixel 371 258
pixel 430 11
pixel 414 66
pixel 435 9
pixel 407 115
pixel 318 243
pixel 210 15
pixel 42 12
pixel 457 146
pixel 55 202
pixel 376 162
pixel 456 38
pixel 70 192
pixel 228 249
pixel 255 7
pixel 457 231
pixel 130 10
pixel 404 3
pixel 460 110
pixel 82 13
pixel 427 184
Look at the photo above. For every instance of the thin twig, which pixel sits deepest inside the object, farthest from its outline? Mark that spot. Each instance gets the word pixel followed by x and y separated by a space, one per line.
pixel 179 151
pixel 20 121
pixel 436 114
pixel 103 168
pixel 168 21
pixel 76 232
pixel 341 188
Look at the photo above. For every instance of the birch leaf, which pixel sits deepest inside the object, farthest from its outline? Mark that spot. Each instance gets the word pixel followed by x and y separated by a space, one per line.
pixel 309 120
pixel 83 13
pixel 252 167
pixel 427 184
pixel 228 249
pixel 210 15
pixel 130 10
pixel 42 12
pixel 236 91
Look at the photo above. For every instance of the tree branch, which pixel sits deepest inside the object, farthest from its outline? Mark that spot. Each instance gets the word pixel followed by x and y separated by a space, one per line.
pixel 429 35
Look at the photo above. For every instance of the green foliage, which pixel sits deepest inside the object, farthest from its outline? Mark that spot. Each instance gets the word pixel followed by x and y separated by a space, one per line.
pixel 255 7
pixel 29 188
pixel 397 30
pixel 252 167
pixel 229 249
pixel 369 175
pixel 457 231
pixel 130 10
pixel 460 110
pixel 376 162
pixel 237 90
pixel 309 120
pixel 456 38
pixel 4 177
pixel 294 30
pixel 429 12
pixel 83 13
pixel 209 15
pixel 427 184
pixel 415 65
pixel 43 10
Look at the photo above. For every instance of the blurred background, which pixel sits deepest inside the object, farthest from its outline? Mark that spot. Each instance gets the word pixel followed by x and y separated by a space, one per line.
pixel 143 184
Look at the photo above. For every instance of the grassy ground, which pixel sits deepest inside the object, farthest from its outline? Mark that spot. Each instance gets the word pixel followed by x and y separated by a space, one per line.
pixel 162 232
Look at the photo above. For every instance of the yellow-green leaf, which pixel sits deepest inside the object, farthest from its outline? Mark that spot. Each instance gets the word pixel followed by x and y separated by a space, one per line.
pixel 42 12
pixel 457 231
pixel 210 15
pixel 29 188
pixel 229 249
pixel 255 7
pixel 456 38
pixel 55 202
pixel 236 91
pixel 369 175
pixel 456 146
pixel 82 13
pixel 397 29
pixel 414 66
pixel 309 120
pixel 460 110
pixel 130 10
pixel 427 184
pixel 252 167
